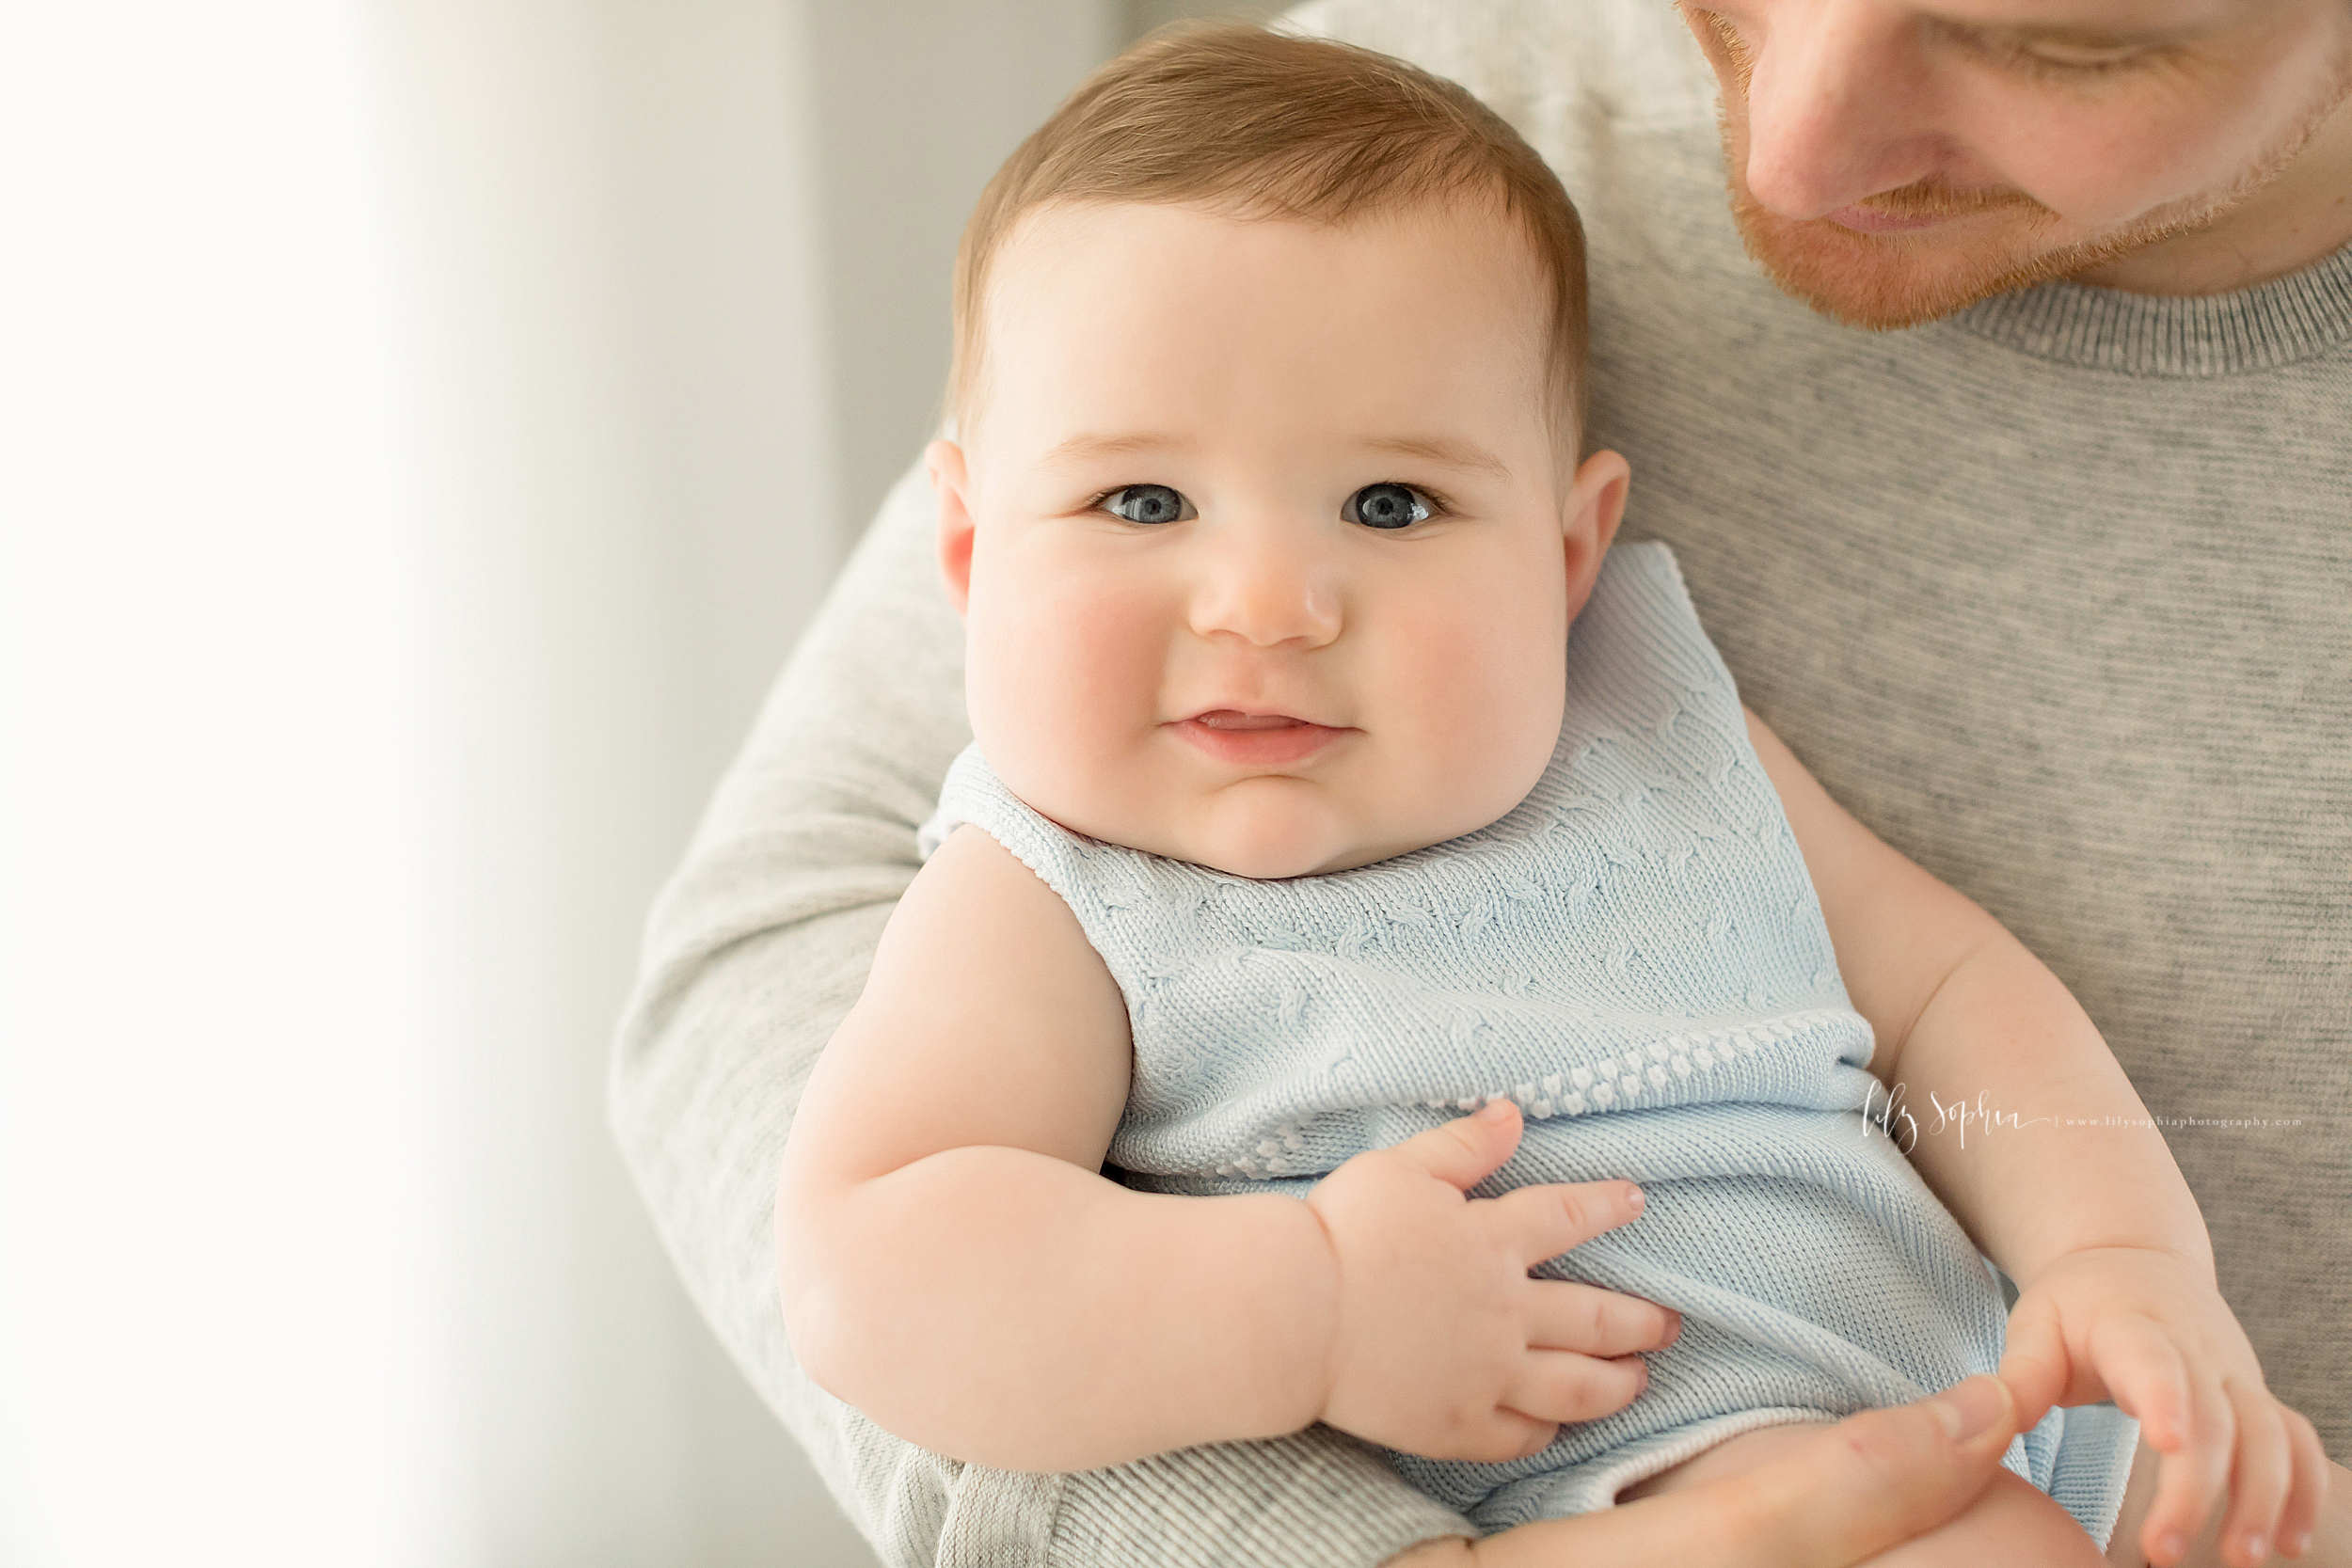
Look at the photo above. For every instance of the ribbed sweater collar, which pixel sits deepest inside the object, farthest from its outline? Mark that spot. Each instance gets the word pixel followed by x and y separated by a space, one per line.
pixel 2289 319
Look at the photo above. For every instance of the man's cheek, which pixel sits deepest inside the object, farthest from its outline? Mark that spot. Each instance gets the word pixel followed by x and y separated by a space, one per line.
pixel 2099 172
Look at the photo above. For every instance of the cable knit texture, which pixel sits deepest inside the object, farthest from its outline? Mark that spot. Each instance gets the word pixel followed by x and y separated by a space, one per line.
pixel 1635 957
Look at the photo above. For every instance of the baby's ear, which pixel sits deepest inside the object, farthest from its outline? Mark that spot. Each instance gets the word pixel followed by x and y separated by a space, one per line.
pixel 952 482
pixel 1589 520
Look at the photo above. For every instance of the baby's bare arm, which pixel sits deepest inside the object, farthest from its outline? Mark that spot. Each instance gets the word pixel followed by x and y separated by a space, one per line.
pixel 2023 1122
pixel 952 1262
pixel 1966 1017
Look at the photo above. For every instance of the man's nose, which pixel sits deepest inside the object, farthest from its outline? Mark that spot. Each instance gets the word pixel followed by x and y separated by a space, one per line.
pixel 1268 585
pixel 1839 106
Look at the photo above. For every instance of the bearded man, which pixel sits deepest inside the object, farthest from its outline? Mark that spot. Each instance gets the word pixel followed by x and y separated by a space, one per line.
pixel 2001 420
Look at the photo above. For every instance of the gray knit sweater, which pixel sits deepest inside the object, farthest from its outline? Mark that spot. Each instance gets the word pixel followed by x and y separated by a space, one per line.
pixel 2056 595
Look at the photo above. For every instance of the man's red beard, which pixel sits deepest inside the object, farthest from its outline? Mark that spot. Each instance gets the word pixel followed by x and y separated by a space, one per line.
pixel 1991 242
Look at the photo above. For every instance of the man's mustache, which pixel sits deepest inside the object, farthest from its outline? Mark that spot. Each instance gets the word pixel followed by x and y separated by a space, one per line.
pixel 1933 199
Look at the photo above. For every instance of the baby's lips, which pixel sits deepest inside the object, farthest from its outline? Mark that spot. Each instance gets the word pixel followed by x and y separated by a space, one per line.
pixel 1240 720
pixel 1256 741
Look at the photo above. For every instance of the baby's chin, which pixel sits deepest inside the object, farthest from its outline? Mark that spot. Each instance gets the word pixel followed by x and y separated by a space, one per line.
pixel 1271 829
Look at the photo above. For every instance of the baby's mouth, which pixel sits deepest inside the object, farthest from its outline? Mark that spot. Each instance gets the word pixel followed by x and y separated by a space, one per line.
pixel 1256 740
pixel 1233 718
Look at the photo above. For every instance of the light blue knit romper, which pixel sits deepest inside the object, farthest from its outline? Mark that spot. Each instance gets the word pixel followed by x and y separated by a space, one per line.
pixel 1635 956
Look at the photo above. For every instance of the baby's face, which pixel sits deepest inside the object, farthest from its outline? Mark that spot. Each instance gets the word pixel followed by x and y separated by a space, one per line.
pixel 1266 552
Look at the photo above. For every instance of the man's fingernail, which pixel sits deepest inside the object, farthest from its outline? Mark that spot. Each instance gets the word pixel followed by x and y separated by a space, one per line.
pixel 1634 1200
pixel 1494 1110
pixel 2173 1546
pixel 2297 1543
pixel 1967 1408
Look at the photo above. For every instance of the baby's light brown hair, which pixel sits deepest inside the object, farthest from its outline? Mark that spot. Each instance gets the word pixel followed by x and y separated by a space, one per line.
pixel 1232 117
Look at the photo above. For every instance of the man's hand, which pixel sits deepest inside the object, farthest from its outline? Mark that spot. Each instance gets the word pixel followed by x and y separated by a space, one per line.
pixel 1442 1345
pixel 2148 1329
pixel 1861 1487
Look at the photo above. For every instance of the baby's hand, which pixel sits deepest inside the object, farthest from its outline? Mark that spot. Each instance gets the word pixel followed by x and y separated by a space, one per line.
pixel 2148 1329
pixel 1443 1346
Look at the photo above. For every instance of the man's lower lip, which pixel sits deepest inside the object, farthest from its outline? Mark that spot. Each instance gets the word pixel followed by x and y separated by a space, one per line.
pixel 1869 220
pixel 1280 748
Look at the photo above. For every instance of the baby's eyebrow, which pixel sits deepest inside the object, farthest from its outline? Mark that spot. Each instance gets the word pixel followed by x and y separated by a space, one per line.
pixel 1453 452
pixel 1079 448
pixel 1449 451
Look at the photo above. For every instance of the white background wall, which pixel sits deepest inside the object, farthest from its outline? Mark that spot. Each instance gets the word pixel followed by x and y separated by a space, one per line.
pixel 424 425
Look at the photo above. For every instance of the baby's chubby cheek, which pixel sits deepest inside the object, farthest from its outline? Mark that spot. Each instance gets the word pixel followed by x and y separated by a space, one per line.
pixel 1062 681
pixel 1473 696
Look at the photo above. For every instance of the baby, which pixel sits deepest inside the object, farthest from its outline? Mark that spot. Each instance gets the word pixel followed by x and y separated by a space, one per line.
pixel 1289 835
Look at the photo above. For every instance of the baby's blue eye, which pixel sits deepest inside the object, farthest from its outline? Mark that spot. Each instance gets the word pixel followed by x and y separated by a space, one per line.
pixel 1147 503
pixel 1388 506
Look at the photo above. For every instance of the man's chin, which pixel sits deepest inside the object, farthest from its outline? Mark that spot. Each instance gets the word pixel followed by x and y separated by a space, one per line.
pixel 1886 281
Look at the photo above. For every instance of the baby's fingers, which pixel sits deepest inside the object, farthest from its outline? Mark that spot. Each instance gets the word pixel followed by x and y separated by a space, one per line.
pixel 2145 1376
pixel 1561 1385
pixel 1544 1222
pixel 2309 1492
pixel 1465 1150
pixel 2258 1480
pixel 2191 1478
pixel 1502 1436
pixel 2035 1365
pixel 1569 1316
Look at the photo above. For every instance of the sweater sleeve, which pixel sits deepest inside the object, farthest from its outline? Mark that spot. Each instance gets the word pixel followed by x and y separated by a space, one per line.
pixel 754 952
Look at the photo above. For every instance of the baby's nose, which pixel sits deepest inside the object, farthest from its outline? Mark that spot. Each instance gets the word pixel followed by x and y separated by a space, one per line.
pixel 1267 587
